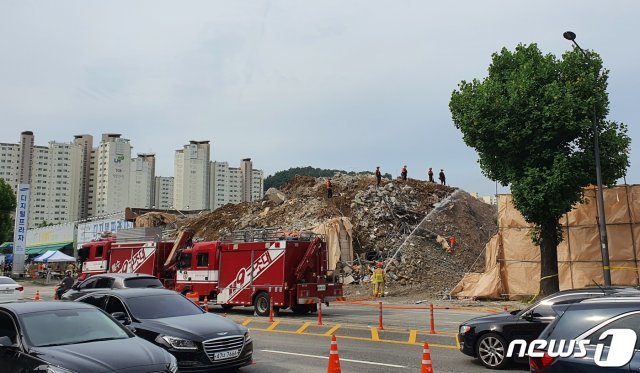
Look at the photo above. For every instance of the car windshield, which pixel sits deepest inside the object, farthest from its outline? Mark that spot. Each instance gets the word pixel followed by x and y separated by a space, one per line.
pixel 142 282
pixel 161 306
pixel 71 326
pixel 6 280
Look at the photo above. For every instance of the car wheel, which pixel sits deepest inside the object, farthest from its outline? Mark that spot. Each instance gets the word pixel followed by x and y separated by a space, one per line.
pixel 261 304
pixel 491 349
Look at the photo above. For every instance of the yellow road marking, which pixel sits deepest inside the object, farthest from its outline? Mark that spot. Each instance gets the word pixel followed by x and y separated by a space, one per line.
pixel 412 336
pixel 452 347
pixel 247 321
pixel 274 325
pixel 303 328
pixel 332 330
pixel 457 343
pixel 374 334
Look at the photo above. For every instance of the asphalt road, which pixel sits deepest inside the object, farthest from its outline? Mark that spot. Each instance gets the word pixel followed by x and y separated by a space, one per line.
pixel 294 343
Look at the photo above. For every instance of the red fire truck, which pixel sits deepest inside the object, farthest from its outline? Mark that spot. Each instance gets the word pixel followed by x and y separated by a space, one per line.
pixel 251 268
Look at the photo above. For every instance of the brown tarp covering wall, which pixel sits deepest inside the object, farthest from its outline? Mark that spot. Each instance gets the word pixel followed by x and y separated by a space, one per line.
pixel 512 261
pixel 338 233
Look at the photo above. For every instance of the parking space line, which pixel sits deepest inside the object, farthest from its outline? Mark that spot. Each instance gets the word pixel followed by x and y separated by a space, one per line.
pixel 374 334
pixel 341 359
pixel 274 325
pixel 247 321
pixel 303 328
pixel 412 336
pixel 332 330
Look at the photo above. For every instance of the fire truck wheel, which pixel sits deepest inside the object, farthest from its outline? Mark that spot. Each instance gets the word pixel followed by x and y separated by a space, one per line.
pixel 261 304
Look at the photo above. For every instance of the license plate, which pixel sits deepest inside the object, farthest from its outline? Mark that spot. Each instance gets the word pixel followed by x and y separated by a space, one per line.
pixel 322 287
pixel 6 291
pixel 226 354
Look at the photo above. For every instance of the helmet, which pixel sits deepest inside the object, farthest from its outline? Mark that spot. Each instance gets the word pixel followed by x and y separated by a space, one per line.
pixel 379 265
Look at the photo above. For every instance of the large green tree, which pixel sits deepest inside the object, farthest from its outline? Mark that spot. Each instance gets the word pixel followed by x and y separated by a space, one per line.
pixel 7 207
pixel 531 122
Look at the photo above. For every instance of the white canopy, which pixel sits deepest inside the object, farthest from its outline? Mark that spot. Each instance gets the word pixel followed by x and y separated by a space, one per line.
pixel 54 256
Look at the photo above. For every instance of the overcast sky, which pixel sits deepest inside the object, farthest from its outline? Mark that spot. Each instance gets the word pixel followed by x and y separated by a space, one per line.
pixel 332 84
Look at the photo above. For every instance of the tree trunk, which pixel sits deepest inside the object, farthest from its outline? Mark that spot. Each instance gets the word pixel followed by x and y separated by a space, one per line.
pixel 549 281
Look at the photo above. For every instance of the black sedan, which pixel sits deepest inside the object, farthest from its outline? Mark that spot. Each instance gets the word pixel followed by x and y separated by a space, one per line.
pixel 201 341
pixel 63 337
pixel 487 337
pixel 111 281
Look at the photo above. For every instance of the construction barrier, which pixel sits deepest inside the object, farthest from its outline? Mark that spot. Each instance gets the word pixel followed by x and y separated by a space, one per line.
pixel 37 298
pixel 334 357
pixel 319 313
pixel 426 359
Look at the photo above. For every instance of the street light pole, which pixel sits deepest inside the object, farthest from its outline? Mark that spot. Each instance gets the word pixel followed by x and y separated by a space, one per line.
pixel 604 242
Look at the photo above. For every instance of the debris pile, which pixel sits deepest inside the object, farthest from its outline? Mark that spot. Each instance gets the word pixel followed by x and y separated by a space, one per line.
pixel 406 224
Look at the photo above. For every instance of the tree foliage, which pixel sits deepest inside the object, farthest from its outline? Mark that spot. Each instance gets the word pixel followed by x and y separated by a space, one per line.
pixel 280 178
pixel 531 122
pixel 7 207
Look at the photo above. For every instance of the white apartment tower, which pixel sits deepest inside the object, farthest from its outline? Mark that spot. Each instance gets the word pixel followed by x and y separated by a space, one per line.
pixel 163 193
pixel 113 164
pixel 235 185
pixel 191 183
pixel 52 172
pixel 142 179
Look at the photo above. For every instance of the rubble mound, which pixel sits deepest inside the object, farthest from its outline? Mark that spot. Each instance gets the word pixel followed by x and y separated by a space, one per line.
pixel 406 224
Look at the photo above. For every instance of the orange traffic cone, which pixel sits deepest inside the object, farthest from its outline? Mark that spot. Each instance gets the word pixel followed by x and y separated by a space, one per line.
pixel 206 304
pixel 426 359
pixel 37 298
pixel 334 358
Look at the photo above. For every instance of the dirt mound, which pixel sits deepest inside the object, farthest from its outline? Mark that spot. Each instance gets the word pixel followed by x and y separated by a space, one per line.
pixel 415 216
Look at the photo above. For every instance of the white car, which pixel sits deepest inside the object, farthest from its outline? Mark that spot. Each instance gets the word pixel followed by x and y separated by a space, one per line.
pixel 10 290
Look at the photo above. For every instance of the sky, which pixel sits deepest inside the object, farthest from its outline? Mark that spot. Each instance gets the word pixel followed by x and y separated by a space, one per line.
pixel 332 84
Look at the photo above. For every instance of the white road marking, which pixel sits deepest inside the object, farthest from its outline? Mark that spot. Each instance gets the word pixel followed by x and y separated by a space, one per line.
pixel 341 359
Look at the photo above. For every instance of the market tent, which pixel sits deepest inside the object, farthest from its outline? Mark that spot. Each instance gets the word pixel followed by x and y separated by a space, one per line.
pixel 54 257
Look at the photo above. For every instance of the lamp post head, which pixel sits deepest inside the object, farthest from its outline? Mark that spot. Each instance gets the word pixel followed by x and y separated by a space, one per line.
pixel 569 35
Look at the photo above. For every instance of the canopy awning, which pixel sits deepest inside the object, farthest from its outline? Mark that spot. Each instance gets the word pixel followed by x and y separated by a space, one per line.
pixel 37 250
pixel 54 256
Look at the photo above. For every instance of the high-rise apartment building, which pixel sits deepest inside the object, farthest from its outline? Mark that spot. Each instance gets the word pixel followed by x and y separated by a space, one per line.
pixel 163 193
pixel 52 172
pixel 86 145
pixel 142 179
pixel 113 164
pixel 191 183
pixel 235 185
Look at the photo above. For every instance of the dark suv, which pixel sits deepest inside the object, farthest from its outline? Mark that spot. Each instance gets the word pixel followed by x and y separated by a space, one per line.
pixel 111 281
pixel 587 329
pixel 488 337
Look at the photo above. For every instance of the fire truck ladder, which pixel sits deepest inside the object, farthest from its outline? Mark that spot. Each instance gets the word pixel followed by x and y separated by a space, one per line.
pixel 313 248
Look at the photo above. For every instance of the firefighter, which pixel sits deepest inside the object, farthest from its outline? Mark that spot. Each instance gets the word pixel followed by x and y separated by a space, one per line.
pixel 329 188
pixel 377 279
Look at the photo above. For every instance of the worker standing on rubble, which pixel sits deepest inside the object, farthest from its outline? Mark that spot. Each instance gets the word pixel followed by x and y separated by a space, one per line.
pixel 442 177
pixel 403 173
pixel 378 176
pixel 430 173
pixel 329 188
pixel 377 279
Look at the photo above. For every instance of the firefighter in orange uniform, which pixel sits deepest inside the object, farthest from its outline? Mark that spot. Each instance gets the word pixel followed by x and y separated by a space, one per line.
pixel 377 279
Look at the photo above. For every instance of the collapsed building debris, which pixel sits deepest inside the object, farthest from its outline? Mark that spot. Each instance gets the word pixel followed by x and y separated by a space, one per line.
pixel 417 216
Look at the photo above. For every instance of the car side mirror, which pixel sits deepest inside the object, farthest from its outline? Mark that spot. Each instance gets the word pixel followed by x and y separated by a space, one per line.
pixel 121 317
pixel 528 316
pixel 5 342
